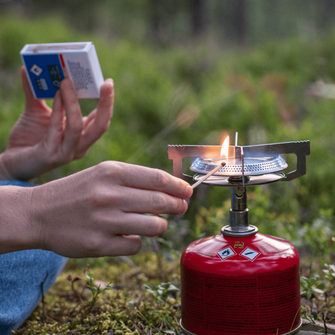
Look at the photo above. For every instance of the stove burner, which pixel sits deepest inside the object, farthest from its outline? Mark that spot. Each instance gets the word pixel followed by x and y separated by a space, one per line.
pixel 248 181
pixel 260 163
pixel 252 166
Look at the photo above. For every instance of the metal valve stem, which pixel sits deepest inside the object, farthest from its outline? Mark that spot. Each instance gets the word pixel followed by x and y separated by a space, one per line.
pixel 239 225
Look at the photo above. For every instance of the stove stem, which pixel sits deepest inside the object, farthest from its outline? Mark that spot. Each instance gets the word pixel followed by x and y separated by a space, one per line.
pixel 239 223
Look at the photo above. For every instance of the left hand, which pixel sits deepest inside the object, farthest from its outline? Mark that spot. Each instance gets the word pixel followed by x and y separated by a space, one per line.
pixel 44 138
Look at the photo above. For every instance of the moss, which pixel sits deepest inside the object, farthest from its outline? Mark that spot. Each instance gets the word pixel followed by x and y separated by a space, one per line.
pixel 126 309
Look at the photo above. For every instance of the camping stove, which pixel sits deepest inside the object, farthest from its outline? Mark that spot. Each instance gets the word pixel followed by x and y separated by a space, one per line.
pixel 240 281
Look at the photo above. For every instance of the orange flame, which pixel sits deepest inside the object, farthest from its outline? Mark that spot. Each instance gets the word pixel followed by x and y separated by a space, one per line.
pixel 225 148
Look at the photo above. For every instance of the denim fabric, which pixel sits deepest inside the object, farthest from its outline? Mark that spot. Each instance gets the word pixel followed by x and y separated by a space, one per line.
pixel 21 276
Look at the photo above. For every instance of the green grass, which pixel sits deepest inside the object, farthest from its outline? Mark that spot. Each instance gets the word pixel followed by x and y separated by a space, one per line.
pixel 127 308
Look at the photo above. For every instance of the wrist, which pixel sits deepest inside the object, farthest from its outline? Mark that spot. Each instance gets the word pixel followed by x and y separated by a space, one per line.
pixel 17 229
pixel 20 164
pixel 4 172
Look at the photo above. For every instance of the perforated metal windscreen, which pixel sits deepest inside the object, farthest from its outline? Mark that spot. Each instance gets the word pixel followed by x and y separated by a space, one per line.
pixel 252 166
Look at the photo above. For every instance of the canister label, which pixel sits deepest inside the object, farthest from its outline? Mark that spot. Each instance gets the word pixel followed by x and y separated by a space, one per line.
pixel 225 253
pixel 250 254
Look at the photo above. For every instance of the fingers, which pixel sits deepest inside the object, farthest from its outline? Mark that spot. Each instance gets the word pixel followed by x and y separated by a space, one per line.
pixel 56 125
pixel 144 201
pixel 136 224
pixel 74 123
pixel 96 246
pixel 153 179
pixel 122 245
pixel 89 118
pixel 98 121
pixel 105 105
pixel 121 236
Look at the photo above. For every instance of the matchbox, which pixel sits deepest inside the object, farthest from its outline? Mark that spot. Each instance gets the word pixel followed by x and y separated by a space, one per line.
pixel 47 64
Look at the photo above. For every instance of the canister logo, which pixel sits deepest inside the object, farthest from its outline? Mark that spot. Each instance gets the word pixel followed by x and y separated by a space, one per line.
pixel 239 245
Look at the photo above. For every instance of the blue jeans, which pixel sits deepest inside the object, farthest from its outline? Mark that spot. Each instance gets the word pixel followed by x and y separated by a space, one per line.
pixel 21 276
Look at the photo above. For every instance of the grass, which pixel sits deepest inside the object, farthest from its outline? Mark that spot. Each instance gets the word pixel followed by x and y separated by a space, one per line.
pixel 127 307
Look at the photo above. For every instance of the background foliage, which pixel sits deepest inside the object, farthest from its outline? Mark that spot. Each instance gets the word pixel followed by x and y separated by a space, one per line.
pixel 187 79
pixel 272 93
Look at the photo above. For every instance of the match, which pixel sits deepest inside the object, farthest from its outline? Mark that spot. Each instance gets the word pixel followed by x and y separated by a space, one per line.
pixel 202 179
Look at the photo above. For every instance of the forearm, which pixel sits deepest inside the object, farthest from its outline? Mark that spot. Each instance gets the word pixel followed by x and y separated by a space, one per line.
pixel 17 231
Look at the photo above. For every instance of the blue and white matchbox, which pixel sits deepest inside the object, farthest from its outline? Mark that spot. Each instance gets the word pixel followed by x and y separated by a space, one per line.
pixel 47 64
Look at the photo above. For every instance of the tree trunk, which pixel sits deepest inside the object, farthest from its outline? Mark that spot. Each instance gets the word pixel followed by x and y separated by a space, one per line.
pixel 197 16
pixel 154 19
pixel 238 20
pixel 327 16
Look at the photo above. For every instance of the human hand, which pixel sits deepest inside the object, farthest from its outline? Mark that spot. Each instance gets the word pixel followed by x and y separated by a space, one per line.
pixel 43 139
pixel 99 211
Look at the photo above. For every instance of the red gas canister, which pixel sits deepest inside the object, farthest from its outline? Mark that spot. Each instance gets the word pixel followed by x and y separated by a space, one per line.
pixel 245 285
pixel 240 282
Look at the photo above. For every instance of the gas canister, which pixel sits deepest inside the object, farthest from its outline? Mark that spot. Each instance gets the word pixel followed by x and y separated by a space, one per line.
pixel 240 281
pixel 245 285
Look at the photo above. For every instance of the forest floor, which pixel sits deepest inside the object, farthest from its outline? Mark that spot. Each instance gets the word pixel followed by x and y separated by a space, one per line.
pixel 130 295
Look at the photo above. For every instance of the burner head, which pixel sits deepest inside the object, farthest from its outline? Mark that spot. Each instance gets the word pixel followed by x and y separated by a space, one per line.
pixel 251 165
pixel 263 168
pixel 246 166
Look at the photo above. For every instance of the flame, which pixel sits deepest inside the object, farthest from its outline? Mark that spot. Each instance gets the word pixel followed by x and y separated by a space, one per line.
pixel 225 148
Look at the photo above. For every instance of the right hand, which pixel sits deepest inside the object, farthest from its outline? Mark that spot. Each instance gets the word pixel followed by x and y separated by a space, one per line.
pixel 101 211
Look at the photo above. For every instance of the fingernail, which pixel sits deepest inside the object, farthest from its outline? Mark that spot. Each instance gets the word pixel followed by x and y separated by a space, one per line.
pixel 185 207
pixel 109 81
pixel 189 191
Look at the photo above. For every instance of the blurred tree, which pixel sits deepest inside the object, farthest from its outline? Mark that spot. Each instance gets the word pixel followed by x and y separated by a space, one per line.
pixel 327 15
pixel 198 16
pixel 155 18
pixel 165 16
pixel 79 13
pixel 237 23
pixel 168 21
pixel 232 19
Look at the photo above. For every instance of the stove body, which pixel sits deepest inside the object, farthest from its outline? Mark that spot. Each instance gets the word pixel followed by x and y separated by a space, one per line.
pixel 240 281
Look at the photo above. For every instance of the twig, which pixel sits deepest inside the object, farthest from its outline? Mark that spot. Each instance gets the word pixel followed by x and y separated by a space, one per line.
pixel 157 248
pixel 42 289
pixel 131 264
pixel 136 327
pixel 296 314
pixel 324 323
pixel 319 323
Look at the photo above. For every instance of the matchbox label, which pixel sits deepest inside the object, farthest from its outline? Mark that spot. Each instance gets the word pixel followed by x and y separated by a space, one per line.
pixel 250 254
pixel 41 84
pixel 55 75
pixel 80 72
pixel 225 253
pixel 36 70
pixel 45 74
